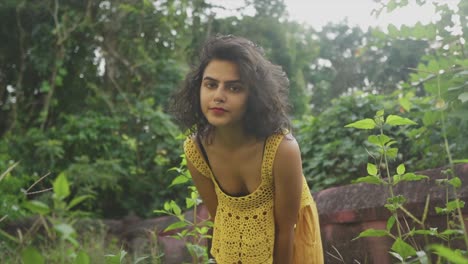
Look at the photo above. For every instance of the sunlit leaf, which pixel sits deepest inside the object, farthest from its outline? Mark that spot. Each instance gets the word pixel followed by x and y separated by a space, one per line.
pixel 373 233
pixel 368 179
pixel 395 120
pixel 405 103
pixel 404 249
pixel 181 179
pixel 453 256
pixel 175 208
pixel 363 124
pixel 379 140
pixel 392 153
pixel 430 232
pixel 37 207
pixel 176 225
pixel 455 204
pixel 61 187
pixel 65 229
pixel 409 177
pixel 390 222
pixel 372 169
pixel 401 169
pixel 455 182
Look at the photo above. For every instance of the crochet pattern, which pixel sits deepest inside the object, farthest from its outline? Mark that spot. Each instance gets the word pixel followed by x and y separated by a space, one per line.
pixel 244 228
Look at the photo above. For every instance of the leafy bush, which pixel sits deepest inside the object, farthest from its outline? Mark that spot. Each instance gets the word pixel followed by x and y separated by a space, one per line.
pixel 333 155
pixel 122 159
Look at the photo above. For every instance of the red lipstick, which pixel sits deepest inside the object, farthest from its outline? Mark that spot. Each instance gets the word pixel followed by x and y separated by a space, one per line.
pixel 218 110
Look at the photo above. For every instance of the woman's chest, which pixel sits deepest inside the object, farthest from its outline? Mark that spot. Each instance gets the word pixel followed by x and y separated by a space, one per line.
pixel 237 174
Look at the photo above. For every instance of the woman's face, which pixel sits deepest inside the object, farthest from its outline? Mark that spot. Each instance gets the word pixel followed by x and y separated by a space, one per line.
pixel 223 97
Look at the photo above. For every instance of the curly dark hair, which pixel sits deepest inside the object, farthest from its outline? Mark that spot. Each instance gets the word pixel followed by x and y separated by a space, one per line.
pixel 267 104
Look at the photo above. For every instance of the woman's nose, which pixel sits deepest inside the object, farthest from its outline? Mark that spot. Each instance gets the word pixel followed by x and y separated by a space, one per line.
pixel 219 95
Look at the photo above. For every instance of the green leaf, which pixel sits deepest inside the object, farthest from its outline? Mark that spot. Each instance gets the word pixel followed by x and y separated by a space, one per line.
pixel 175 208
pixel 390 222
pixel 65 230
pixel 181 179
pixel 189 202
pixel 455 204
pixel 405 103
pixel 379 113
pixel 176 225
pixel 363 124
pixel 453 256
pixel 379 140
pixel 404 249
pixel 31 255
pixel 401 169
pixel 45 87
pixel 422 257
pixel 61 187
pixel 372 233
pixel 430 232
pixel 395 120
pixel 411 177
pixel 392 153
pixel 37 207
pixel 112 259
pixel 450 232
pixel 167 206
pixel 82 258
pixel 460 161
pixel 78 200
pixel 116 259
pixel 397 200
pixel 371 169
pixel 455 182
pixel 369 179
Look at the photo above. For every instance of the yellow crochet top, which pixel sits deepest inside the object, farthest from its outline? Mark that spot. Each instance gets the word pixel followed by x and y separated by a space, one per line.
pixel 244 228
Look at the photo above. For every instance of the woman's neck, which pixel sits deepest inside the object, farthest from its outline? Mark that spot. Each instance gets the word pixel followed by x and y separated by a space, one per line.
pixel 231 138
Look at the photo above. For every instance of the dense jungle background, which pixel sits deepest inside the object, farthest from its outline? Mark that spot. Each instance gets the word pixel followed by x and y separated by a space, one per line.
pixel 84 89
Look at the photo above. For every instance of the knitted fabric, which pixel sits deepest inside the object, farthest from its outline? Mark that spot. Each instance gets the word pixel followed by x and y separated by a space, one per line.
pixel 244 228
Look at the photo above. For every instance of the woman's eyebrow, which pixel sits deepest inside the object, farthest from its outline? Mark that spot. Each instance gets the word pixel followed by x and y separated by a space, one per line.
pixel 208 78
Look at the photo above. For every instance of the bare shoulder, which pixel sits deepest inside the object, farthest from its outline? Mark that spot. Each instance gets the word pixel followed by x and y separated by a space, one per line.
pixel 288 148
pixel 288 155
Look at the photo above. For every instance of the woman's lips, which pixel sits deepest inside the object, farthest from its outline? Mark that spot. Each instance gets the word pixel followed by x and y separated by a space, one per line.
pixel 218 110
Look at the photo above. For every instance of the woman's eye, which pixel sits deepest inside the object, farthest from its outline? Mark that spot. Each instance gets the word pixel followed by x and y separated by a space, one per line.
pixel 210 85
pixel 235 88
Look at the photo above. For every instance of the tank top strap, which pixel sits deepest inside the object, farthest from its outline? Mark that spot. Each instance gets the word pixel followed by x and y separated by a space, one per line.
pixel 271 146
pixel 193 154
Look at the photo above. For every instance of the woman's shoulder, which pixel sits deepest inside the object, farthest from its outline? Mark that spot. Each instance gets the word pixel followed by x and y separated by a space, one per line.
pixel 288 145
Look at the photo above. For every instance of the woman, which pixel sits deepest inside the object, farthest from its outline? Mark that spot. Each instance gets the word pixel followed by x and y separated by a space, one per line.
pixel 243 160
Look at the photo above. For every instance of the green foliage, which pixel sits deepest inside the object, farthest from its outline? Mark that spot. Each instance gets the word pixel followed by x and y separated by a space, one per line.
pixel 30 255
pixel 404 246
pixel 57 220
pixel 329 151
pixel 191 232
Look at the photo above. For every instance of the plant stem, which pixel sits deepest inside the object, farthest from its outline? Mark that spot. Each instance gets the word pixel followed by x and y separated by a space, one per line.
pixel 452 171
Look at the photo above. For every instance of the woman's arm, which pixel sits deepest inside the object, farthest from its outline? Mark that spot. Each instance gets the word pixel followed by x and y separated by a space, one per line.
pixel 205 187
pixel 287 174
